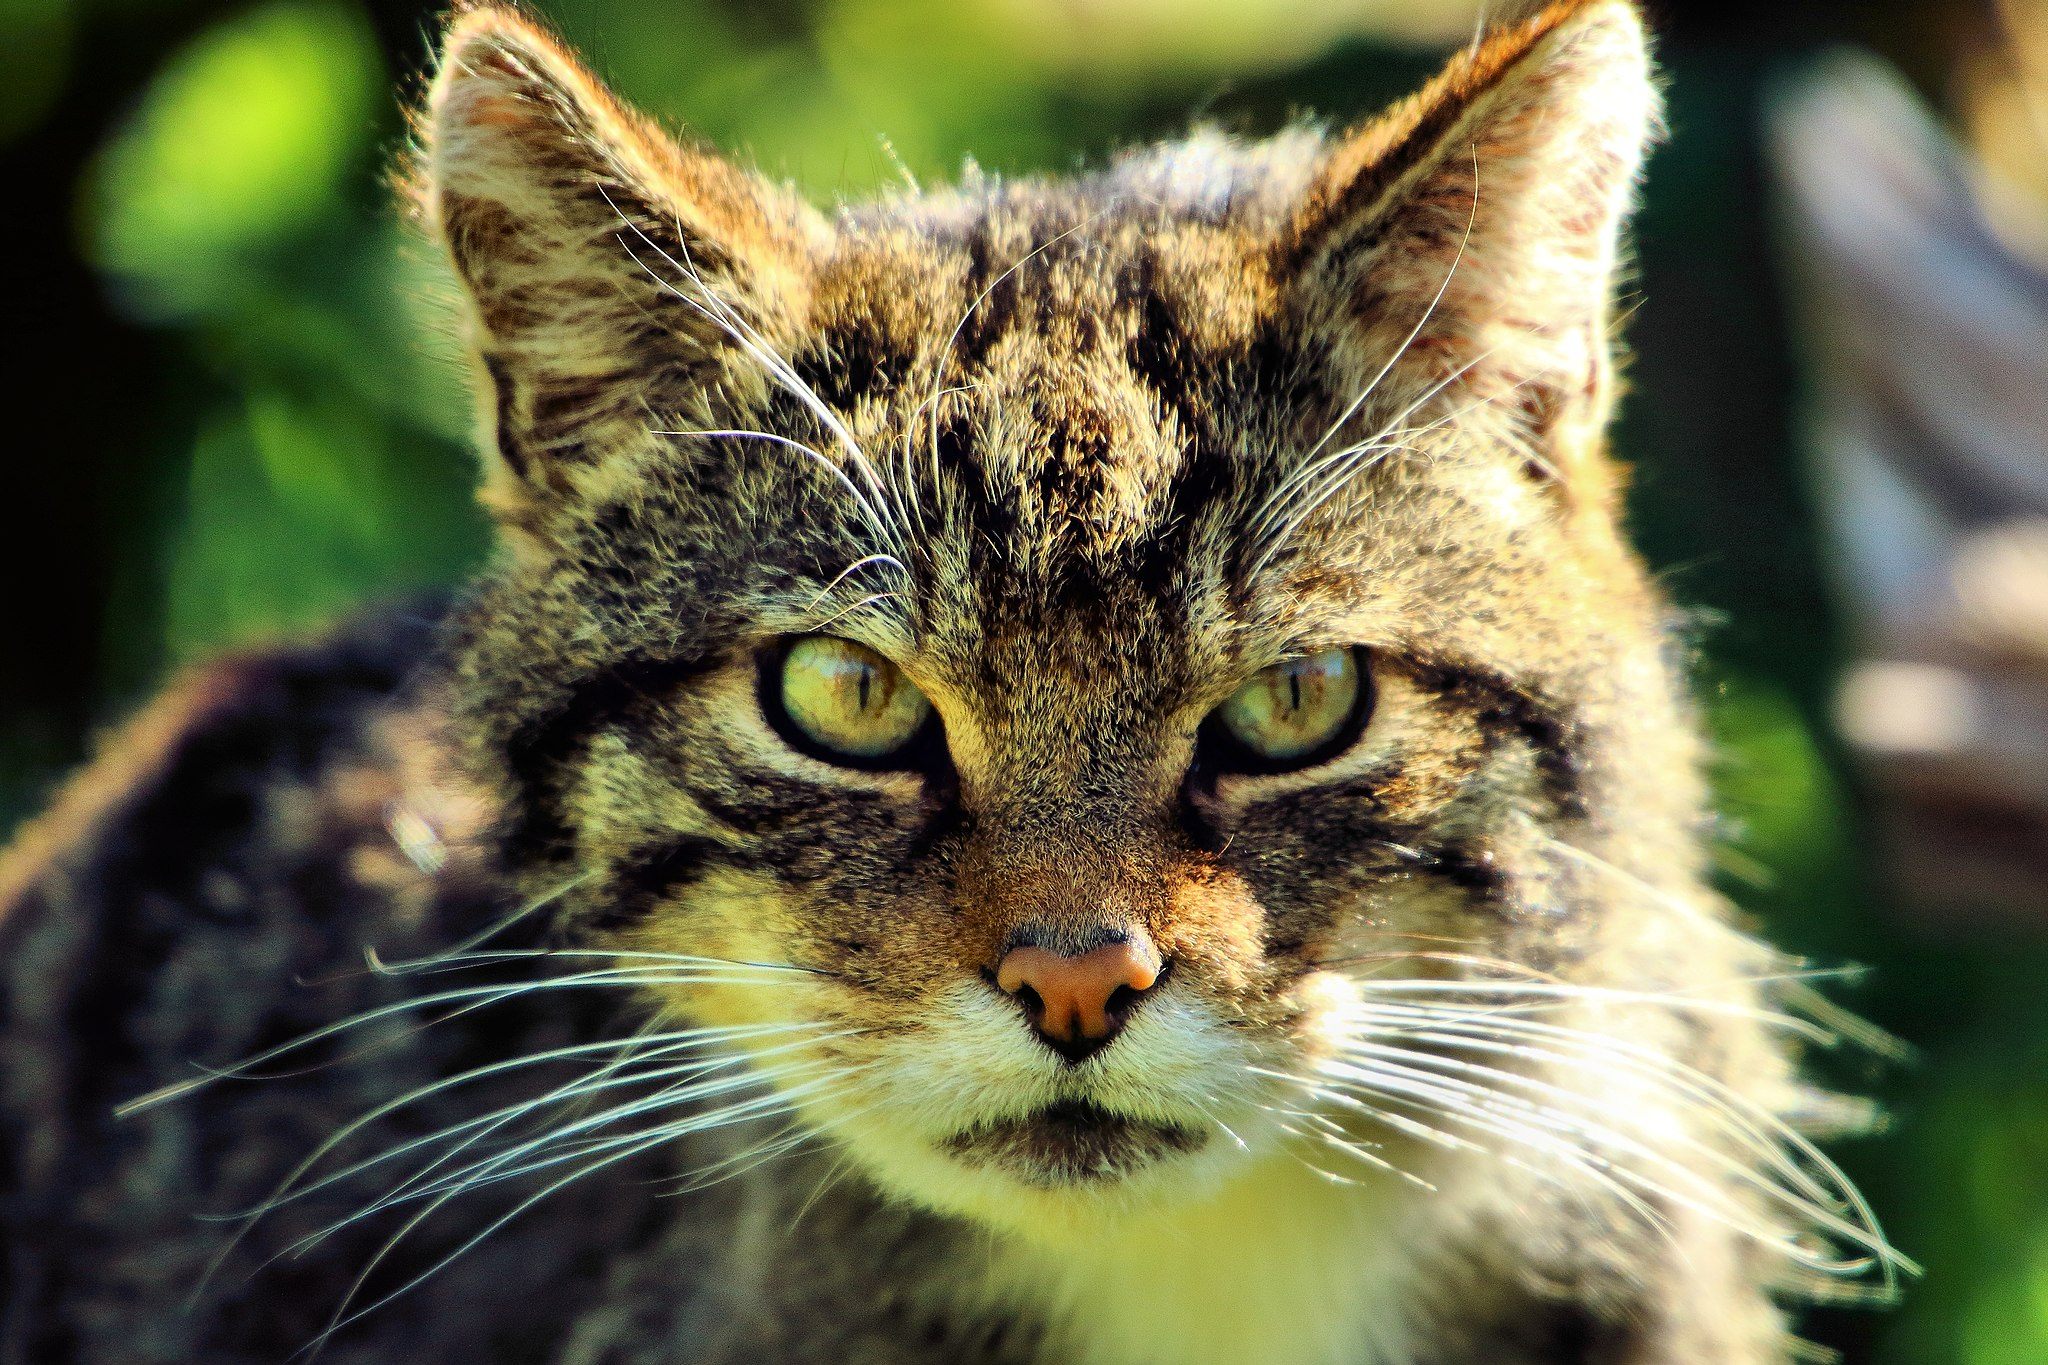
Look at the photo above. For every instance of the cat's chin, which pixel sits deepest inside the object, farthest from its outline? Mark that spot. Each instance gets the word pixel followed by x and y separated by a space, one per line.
pixel 1071 1145
pixel 1072 1167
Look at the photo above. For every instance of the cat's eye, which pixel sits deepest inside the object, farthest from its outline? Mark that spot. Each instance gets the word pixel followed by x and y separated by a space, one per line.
pixel 1297 713
pixel 843 702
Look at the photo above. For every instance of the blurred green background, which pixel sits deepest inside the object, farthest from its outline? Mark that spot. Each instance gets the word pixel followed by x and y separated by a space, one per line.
pixel 235 412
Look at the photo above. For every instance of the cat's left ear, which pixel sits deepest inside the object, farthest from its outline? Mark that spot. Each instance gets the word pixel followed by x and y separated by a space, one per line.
pixel 1474 232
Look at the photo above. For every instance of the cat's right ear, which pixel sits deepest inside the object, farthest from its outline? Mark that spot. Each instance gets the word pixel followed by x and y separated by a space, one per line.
pixel 614 278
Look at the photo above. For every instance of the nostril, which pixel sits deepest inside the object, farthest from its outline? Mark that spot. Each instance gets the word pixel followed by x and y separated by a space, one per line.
pixel 1079 1003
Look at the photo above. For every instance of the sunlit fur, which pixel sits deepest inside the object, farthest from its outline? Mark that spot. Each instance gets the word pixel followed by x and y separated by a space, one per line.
pixel 1457 1058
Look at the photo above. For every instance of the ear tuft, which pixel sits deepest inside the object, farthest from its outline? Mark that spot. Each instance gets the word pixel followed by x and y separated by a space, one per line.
pixel 1475 228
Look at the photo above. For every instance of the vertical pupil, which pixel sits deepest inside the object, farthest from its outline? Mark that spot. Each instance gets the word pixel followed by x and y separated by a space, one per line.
pixel 867 680
pixel 1294 689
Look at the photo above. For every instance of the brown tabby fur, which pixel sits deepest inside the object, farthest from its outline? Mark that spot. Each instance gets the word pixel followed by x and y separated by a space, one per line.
pixel 1026 439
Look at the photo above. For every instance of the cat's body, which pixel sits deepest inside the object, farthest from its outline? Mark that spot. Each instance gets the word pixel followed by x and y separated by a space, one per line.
pixel 1426 1042
pixel 208 891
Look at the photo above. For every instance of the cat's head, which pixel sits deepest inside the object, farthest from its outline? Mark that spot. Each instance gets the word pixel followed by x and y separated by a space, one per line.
pixel 1076 637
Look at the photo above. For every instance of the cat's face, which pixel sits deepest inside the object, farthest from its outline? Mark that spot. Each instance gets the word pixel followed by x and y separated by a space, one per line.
pixel 1073 638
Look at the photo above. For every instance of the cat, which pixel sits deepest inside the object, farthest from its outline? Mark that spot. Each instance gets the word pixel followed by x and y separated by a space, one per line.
pixel 1064 769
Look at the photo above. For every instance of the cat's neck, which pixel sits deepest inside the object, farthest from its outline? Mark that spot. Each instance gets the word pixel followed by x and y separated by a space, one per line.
pixel 1282 1266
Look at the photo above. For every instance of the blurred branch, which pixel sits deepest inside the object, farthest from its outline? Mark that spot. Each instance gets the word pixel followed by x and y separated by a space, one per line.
pixel 1929 334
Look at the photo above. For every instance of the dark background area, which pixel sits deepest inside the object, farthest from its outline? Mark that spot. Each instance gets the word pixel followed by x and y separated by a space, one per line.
pixel 235 413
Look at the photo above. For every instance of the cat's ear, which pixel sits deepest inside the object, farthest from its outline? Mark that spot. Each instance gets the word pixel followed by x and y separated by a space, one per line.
pixel 1473 233
pixel 613 277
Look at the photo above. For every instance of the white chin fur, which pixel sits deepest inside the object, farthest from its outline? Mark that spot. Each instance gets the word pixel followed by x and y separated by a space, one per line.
pixel 1235 1252
pixel 975 1064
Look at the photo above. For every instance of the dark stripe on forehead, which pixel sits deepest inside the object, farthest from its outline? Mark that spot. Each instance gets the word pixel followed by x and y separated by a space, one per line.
pixel 1162 354
pixel 989 312
pixel 852 361
pixel 1204 478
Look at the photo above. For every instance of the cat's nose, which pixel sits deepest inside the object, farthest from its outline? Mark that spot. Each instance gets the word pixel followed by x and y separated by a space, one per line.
pixel 1078 1002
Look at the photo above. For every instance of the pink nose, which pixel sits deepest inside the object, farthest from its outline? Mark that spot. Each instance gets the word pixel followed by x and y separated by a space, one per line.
pixel 1079 1003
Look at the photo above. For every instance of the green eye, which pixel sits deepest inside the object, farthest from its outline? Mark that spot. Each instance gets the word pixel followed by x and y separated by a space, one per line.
pixel 848 703
pixel 1300 712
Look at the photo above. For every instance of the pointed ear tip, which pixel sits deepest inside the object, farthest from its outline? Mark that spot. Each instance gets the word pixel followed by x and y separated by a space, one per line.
pixel 1626 15
pixel 489 51
pixel 1616 27
pixel 475 32
pixel 1600 47
pixel 490 21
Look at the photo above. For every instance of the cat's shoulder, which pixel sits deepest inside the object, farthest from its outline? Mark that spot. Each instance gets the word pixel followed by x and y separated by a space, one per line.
pixel 249 830
pixel 191 774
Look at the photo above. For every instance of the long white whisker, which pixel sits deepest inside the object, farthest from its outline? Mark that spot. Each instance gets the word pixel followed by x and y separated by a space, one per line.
pixel 467 1000
pixel 1824 1012
pixel 497 927
pixel 1820 1192
pixel 1816 1193
pixel 343 1317
pixel 870 513
pixel 1418 1090
pixel 488 957
pixel 635 1048
pixel 1564 994
pixel 1592 1128
pixel 849 571
pixel 513 1161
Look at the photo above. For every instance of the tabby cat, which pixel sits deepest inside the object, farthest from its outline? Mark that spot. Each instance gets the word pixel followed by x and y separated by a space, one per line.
pixel 1053 770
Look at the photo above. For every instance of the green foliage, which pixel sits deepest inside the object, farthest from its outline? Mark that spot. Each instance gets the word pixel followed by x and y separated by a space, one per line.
pixel 325 461
pixel 244 140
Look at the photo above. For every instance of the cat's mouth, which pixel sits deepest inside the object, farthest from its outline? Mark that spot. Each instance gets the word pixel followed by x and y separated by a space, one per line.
pixel 1073 1142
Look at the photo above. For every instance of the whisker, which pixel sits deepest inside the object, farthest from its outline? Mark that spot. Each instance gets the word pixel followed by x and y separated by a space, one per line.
pixel 1768 1138
pixel 289 1190
pixel 1817 1193
pixel 1420 1092
pixel 1830 1016
pixel 531 907
pixel 608 954
pixel 722 314
pixel 637 1047
pixel 467 1000
pixel 343 1317
pixel 869 512
pixel 849 571
pixel 1567 993
pixel 690 1083
pixel 1326 1133
pixel 1408 342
